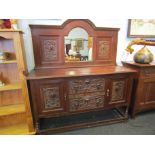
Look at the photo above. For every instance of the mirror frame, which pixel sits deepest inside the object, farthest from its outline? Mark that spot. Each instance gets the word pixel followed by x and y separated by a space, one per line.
pixel 79 53
pixel 43 36
pixel 89 27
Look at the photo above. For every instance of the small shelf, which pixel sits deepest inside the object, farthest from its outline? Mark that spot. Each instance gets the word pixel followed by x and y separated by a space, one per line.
pixel 10 30
pixel 12 109
pixel 75 121
pixel 18 129
pixel 8 61
pixel 13 86
pixel 15 110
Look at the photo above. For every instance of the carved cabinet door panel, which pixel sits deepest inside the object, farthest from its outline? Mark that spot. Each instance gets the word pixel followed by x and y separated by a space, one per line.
pixel 145 93
pixel 49 96
pixel 105 52
pixel 119 90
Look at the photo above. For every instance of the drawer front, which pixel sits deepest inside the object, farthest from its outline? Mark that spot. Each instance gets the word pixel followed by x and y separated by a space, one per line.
pixel 148 72
pixel 85 102
pixel 85 85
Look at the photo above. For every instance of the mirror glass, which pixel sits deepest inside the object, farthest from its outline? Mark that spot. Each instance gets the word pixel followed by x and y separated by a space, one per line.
pixel 78 45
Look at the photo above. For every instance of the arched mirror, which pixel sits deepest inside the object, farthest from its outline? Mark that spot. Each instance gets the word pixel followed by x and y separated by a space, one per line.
pixel 78 46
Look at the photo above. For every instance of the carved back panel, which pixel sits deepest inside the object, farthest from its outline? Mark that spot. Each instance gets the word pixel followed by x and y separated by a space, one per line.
pixel 48 44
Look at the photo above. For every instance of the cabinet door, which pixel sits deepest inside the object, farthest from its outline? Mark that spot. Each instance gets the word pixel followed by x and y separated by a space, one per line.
pixel 119 90
pixel 145 93
pixel 48 96
pixel 106 49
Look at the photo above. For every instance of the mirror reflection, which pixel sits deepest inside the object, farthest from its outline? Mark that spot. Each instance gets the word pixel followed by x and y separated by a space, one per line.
pixel 78 45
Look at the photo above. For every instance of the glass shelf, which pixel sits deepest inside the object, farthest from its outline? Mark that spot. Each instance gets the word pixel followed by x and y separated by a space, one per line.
pixel 17 129
pixel 12 86
pixel 8 61
pixel 12 109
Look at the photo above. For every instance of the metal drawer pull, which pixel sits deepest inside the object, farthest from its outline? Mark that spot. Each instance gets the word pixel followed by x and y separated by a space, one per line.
pixel 108 92
pixel 86 100
pixel 65 96
pixel 98 86
pixel 87 81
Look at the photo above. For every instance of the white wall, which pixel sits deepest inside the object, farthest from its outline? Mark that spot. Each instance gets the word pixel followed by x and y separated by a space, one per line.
pixel 118 23
pixel 24 26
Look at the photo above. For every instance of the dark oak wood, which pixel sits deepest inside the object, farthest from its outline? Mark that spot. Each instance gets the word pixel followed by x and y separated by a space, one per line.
pixel 65 95
pixel 143 97
pixel 74 72
pixel 44 37
pixel 117 117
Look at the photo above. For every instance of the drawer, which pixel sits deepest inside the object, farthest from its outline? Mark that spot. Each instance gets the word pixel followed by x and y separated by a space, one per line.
pixel 85 85
pixel 149 72
pixel 85 102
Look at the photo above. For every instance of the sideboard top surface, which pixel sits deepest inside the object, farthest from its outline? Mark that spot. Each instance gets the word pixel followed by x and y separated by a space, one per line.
pixel 74 72
pixel 138 64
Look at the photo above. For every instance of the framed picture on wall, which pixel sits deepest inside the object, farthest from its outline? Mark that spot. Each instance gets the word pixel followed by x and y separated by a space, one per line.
pixel 141 28
pixel 79 43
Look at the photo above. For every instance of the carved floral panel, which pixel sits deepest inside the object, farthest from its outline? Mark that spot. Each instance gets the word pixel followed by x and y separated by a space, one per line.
pixel 117 90
pixel 86 102
pixel 51 97
pixel 104 49
pixel 149 97
pixel 49 49
pixel 86 85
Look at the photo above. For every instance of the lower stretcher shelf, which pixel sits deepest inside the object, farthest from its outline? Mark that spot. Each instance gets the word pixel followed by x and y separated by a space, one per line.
pixel 56 124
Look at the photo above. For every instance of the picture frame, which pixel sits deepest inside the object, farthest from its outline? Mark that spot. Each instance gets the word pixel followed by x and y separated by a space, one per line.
pixel 79 43
pixel 144 28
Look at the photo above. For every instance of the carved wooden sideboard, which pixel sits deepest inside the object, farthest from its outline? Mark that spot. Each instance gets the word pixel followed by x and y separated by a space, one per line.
pixel 143 97
pixel 67 94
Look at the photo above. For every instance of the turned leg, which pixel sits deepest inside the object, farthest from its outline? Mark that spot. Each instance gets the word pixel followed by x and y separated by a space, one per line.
pixel 37 127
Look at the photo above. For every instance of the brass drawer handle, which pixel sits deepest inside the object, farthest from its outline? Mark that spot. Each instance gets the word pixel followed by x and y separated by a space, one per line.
pixel 108 91
pixel 87 81
pixel 65 97
pixel 76 87
pixel 87 100
pixel 98 99
pixel 98 86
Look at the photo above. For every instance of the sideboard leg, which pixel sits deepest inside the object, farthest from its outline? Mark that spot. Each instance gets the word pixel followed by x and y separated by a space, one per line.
pixel 127 112
pixel 37 127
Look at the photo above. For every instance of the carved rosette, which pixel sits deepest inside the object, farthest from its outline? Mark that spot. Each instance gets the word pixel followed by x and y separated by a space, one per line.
pixel 90 101
pixel 117 90
pixel 86 101
pixel 86 93
pixel 50 50
pixel 104 49
pixel 86 85
pixel 51 97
